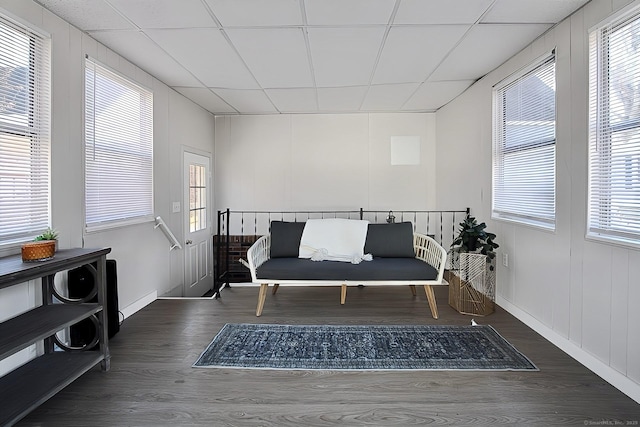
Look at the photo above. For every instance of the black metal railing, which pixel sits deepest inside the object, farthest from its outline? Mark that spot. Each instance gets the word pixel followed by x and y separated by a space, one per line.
pixel 238 230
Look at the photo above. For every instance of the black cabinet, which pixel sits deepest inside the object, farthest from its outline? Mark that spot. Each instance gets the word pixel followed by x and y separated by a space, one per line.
pixel 81 282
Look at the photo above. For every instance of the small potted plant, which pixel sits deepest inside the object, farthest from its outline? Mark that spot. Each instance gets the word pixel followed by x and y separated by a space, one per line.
pixel 42 248
pixel 473 238
pixel 48 234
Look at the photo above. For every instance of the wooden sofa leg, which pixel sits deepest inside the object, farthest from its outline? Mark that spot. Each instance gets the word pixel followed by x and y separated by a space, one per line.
pixel 428 289
pixel 275 289
pixel 343 294
pixel 261 297
pixel 413 290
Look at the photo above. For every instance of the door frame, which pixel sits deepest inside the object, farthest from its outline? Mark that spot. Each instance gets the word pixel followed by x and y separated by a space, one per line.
pixel 185 208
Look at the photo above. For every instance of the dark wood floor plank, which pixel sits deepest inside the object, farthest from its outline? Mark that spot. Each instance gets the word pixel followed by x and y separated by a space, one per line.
pixel 152 383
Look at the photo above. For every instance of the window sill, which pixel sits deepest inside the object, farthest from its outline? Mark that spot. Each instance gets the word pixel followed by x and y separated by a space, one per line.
pixel 541 226
pixel 97 228
pixel 613 241
pixel 13 247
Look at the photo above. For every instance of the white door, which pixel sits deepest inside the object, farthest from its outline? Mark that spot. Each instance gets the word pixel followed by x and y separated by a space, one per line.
pixel 198 253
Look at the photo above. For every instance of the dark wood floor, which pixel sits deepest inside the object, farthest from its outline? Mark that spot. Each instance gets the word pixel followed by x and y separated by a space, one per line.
pixel 152 383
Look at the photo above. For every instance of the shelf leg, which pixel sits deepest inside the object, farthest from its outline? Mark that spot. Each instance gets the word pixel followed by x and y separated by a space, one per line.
pixel 103 334
pixel 47 299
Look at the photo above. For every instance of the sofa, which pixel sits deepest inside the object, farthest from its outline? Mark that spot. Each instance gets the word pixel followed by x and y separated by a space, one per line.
pixel 394 255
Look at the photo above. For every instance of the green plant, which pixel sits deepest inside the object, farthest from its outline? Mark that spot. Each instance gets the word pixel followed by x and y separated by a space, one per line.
pixel 48 234
pixel 473 238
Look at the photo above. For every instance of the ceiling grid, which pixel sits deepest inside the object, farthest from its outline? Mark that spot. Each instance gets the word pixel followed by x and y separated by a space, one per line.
pixel 316 56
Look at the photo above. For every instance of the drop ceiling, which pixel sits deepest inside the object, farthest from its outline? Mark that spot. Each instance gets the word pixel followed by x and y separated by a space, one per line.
pixel 316 56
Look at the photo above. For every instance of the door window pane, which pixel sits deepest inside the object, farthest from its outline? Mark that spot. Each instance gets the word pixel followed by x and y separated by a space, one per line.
pixel 197 198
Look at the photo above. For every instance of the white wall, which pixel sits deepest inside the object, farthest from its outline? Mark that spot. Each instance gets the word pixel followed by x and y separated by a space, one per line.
pixel 581 295
pixel 146 267
pixel 322 162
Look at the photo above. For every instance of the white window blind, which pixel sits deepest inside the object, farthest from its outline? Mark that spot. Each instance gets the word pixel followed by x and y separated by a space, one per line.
pixel 24 132
pixel 524 146
pixel 614 131
pixel 118 149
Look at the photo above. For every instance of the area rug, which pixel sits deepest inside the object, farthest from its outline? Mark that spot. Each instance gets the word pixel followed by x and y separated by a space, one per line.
pixel 400 347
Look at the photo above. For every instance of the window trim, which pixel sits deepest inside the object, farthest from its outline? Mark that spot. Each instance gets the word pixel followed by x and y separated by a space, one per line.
pixel 125 222
pixel 9 246
pixel 524 220
pixel 629 13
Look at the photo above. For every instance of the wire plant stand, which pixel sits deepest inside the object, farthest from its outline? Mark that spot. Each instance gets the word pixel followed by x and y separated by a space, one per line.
pixel 472 283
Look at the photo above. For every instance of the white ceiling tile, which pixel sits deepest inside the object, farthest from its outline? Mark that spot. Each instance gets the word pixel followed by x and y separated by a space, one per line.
pixel 88 14
pixel 277 57
pixel 256 13
pixel 348 12
pixel 206 99
pixel 165 13
pixel 441 12
pixel 531 11
pixel 484 48
pixel 388 97
pixel 410 54
pixel 313 55
pixel 344 56
pixel 208 55
pixel 247 101
pixel 432 95
pixel 155 61
pixel 332 99
pixel 293 100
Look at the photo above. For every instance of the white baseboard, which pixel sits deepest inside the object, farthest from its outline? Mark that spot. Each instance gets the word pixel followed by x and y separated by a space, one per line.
pixel 139 305
pixel 607 373
pixel 243 285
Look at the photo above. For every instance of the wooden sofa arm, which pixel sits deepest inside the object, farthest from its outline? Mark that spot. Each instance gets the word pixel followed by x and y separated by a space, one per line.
pixel 257 254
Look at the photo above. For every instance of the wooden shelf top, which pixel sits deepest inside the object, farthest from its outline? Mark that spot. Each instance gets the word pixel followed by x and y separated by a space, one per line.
pixel 13 270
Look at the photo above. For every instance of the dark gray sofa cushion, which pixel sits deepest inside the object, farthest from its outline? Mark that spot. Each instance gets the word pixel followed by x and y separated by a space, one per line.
pixel 390 240
pixel 380 269
pixel 285 238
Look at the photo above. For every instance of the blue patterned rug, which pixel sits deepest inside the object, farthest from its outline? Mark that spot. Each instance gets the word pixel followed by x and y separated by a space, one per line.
pixel 362 348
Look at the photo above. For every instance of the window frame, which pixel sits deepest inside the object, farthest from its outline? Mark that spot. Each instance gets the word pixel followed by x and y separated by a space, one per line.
pixel 601 131
pixel 36 132
pixel 89 129
pixel 501 213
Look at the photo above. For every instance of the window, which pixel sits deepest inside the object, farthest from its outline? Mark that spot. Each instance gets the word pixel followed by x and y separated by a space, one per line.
pixel 524 146
pixel 24 133
pixel 118 149
pixel 614 131
pixel 197 198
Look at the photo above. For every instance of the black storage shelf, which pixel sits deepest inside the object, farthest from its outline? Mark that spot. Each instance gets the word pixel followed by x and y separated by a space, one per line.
pixel 30 385
pixel 41 322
